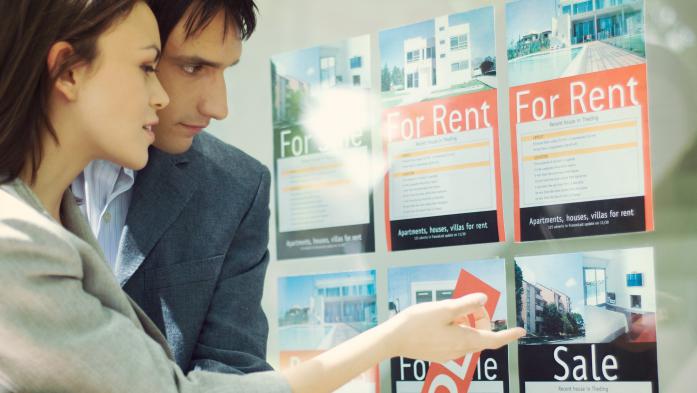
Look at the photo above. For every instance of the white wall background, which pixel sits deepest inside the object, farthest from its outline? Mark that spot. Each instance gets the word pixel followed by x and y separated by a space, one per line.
pixel 671 38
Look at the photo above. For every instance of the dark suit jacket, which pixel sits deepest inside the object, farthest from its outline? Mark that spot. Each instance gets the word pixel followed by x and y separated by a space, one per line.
pixel 193 254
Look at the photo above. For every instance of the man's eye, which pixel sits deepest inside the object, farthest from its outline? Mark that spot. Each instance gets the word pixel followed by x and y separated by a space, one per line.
pixel 191 69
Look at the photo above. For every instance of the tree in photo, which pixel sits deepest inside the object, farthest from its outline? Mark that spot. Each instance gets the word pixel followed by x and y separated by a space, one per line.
pixel 385 79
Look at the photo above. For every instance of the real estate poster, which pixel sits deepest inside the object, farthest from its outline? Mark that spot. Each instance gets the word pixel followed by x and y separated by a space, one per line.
pixel 579 118
pixel 440 132
pixel 418 284
pixel 590 319
pixel 322 147
pixel 318 312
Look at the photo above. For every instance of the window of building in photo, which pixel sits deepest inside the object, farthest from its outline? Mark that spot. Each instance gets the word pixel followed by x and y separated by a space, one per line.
pixel 356 62
pixel 458 42
pixel 327 73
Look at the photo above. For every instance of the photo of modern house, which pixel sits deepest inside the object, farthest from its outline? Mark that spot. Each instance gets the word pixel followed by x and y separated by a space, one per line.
pixel 604 20
pixel 445 56
pixel 549 39
pixel 295 75
pixel 321 311
pixel 441 61
pixel 591 297
pixel 420 284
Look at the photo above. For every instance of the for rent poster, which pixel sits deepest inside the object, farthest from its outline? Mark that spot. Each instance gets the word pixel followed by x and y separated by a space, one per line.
pixel 579 118
pixel 318 312
pixel 440 132
pixel 591 322
pixel 322 148
pixel 408 286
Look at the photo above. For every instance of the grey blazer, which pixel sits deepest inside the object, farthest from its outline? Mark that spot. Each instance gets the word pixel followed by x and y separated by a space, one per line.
pixel 193 254
pixel 66 325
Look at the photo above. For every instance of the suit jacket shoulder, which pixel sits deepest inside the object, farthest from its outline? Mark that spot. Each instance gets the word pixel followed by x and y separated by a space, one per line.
pixel 229 165
pixel 194 254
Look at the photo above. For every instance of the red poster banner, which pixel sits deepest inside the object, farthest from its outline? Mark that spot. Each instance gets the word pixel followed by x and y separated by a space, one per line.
pixel 406 125
pixel 574 110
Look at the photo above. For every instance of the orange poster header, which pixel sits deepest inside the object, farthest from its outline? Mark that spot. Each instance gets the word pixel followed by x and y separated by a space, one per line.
pixel 594 92
pixel 440 117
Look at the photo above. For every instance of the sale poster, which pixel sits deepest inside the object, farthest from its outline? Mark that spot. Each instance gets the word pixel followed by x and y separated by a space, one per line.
pixel 322 147
pixel 590 319
pixel 475 373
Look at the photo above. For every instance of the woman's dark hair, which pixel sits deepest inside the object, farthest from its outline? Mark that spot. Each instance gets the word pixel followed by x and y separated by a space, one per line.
pixel 241 13
pixel 28 29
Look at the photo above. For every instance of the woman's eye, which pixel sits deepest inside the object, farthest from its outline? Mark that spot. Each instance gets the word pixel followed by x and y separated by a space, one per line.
pixel 148 68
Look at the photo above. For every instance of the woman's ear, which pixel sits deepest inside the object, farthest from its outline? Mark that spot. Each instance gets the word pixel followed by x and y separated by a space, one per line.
pixel 66 79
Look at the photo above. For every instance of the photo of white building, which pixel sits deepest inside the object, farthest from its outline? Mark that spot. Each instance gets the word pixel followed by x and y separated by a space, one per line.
pixel 453 53
pixel 408 286
pixel 446 56
pixel 317 312
pixel 441 61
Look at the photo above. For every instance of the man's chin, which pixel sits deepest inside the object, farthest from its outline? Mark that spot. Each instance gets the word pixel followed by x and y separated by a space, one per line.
pixel 177 145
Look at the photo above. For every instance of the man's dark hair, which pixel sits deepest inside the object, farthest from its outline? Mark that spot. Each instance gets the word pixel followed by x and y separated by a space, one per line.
pixel 240 13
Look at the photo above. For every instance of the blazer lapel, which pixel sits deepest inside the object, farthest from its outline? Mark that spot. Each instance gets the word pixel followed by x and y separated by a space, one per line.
pixel 75 222
pixel 160 192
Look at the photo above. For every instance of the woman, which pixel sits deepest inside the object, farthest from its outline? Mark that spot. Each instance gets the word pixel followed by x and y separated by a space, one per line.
pixel 78 83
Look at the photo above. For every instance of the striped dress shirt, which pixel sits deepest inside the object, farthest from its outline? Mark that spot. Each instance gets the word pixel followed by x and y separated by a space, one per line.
pixel 103 192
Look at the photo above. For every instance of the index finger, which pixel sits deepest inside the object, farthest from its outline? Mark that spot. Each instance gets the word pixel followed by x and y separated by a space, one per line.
pixel 466 305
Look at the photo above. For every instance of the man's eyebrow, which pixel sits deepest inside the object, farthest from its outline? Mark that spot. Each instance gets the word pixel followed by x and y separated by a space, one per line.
pixel 201 61
pixel 156 49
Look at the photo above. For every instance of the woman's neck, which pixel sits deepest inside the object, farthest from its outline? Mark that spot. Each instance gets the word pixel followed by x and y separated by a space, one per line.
pixel 60 165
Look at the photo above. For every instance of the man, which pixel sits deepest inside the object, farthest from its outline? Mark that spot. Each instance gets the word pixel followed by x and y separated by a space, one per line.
pixel 187 236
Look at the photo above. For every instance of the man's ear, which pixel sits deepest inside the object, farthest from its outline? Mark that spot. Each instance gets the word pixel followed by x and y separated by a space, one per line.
pixel 66 79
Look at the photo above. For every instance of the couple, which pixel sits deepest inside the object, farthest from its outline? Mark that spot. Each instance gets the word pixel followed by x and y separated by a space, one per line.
pixel 79 84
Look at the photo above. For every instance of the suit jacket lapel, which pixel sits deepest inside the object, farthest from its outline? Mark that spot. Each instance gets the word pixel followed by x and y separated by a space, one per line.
pixel 74 221
pixel 160 192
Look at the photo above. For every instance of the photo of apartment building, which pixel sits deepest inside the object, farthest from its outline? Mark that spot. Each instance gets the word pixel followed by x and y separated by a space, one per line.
pixel 535 298
pixel 607 296
pixel 295 75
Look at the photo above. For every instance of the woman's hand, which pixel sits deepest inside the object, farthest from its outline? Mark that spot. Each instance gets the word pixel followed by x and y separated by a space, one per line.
pixel 437 331
pixel 441 331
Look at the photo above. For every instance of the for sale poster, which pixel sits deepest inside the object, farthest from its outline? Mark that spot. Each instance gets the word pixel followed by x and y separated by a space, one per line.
pixel 440 132
pixel 579 118
pixel 322 146
pixel 590 319
pixel 488 372
pixel 318 312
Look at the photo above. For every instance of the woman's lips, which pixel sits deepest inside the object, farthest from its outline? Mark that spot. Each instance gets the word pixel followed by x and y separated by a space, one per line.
pixel 148 130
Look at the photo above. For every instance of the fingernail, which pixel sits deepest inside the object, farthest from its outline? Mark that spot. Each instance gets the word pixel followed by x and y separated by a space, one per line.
pixel 482 299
